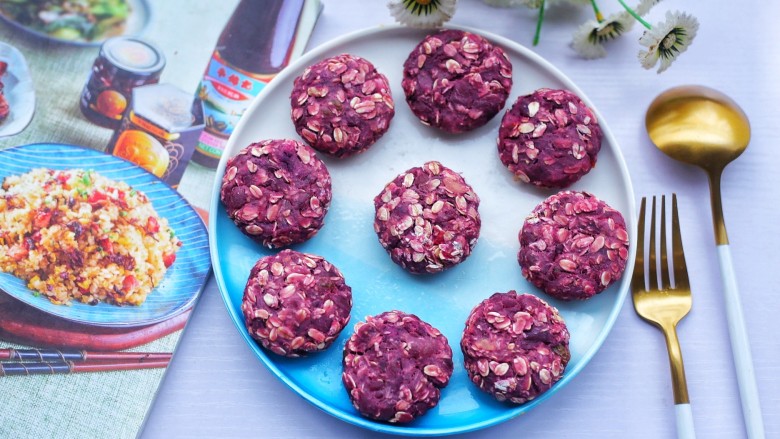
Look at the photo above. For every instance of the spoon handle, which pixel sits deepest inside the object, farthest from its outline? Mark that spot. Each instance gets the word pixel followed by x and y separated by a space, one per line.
pixel 718 223
pixel 740 347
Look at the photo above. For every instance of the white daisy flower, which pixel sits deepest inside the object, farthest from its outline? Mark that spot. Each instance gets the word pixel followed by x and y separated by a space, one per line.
pixel 667 40
pixel 582 43
pixel 422 13
pixel 589 38
pixel 644 6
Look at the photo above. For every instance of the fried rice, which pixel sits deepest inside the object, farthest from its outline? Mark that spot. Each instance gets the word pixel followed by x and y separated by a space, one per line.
pixel 76 235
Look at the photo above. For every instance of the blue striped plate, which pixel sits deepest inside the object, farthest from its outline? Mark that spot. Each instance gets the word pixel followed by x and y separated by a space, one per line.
pixel 184 279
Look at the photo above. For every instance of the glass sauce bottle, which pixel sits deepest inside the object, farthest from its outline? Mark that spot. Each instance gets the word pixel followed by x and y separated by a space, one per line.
pixel 258 41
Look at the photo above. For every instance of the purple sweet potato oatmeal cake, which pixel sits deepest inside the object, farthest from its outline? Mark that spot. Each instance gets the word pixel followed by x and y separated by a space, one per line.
pixel 573 246
pixel 395 366
pixel 515 346
pixel 295 303
pixel 456 81
pixel 427 218
pixel 549 138
pixel 277 192
pixel 342 105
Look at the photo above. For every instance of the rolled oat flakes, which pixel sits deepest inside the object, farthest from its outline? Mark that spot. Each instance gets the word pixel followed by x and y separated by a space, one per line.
pixel 573 245
pixel 549 138
pixel 277 192
pixel 515 346
pixel 295 303
pixel 427 218
pixel 341 105
pixel 456 81
pixel 395 366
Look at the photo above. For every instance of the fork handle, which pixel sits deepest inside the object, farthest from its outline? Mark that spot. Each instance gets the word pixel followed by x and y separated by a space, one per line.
pixel 684 421
pixel 740 347
pixel 682 405
pixel 679 384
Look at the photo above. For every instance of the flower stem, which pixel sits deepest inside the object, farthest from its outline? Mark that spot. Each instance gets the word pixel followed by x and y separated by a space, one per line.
pixel 635 15
pixel 539 23
pixel 599 15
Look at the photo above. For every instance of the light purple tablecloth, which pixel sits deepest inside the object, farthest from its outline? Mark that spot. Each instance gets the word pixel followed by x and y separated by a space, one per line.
pixel 217 388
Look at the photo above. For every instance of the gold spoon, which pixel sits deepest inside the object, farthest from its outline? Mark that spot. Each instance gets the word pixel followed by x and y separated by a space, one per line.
pixel 703 127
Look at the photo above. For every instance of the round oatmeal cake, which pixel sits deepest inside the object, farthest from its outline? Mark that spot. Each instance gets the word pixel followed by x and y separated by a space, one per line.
pixel 573 246
pixel 395 366
pixel 549 138
pixel 427 218
pixel 77 235
pixel 456 81
pixel 515 346
pixel 277 192
pixel 295 303
pixel 341 105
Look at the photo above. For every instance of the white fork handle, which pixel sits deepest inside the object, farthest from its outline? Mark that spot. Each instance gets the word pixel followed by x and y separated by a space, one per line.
pixel 684 421
pixel 740 347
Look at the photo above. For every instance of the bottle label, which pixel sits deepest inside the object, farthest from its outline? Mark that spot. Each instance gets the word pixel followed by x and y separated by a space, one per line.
pixel 226 93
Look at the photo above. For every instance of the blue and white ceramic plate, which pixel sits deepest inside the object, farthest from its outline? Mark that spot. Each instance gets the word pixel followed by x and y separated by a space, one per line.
pixel 184 279
pixel 348 240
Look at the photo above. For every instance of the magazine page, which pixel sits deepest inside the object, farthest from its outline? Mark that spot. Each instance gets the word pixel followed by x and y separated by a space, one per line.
pixel 114 113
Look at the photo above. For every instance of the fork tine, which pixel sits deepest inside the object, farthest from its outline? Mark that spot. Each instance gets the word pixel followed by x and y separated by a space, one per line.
pixel 665 284
pixel 652 271
pixel 638 278
pixel 680 268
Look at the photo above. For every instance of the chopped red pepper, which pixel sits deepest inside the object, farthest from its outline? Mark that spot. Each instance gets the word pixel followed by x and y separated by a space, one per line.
pixel 18 252
pixel 168 259
pixel 42 218
pixel 96 196
pixel 122 199
pixel 129 283
pixel 107 245
pixel 152 226
pixel 63 177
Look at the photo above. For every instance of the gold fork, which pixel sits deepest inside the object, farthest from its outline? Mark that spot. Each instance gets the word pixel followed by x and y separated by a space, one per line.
pixel 663 305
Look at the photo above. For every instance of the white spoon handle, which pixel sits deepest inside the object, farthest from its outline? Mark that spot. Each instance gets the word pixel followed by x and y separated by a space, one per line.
pixel 684 421
pixel 740 347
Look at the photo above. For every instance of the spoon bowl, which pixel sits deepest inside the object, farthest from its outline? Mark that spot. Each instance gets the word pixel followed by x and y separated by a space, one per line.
pixel 699 126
